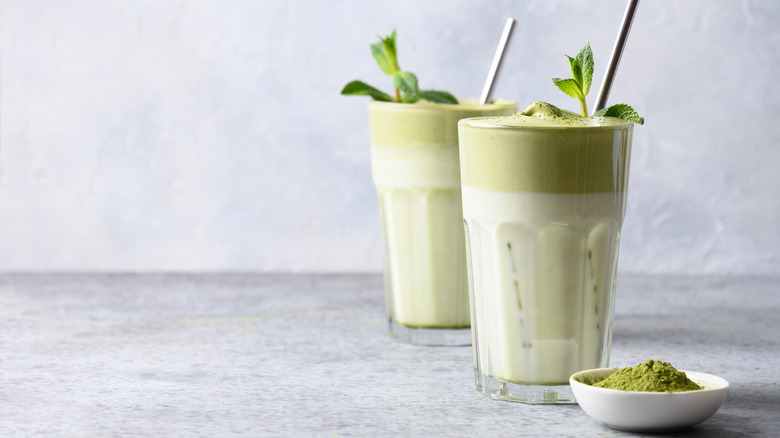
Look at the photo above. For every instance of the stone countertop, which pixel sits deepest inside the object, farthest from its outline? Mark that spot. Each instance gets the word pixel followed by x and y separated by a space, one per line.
pixel 309 355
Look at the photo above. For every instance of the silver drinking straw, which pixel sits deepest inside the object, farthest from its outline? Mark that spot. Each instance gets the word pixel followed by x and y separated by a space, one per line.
pixel 495 67
pixel 617 51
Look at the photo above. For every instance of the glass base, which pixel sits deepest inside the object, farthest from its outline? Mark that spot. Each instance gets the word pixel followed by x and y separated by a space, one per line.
pixel 431 337
pixel 498 389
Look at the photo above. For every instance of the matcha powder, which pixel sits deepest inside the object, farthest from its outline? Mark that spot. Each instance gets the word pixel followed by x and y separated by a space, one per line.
pixel 651 376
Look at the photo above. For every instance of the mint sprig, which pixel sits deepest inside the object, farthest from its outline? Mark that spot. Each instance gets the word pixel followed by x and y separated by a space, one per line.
pixel 404 82
pixel 582 74
pixel 578 87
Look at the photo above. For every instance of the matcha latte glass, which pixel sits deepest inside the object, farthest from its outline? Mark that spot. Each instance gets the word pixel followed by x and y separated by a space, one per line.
pixel 414 163
pixel 543 203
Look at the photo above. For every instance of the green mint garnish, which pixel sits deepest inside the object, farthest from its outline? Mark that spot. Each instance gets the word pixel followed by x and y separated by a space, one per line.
pixel 356 88
pixel 621 111
pixel 582 75
pixel 578 87
pixel 405 82
pixel 385 54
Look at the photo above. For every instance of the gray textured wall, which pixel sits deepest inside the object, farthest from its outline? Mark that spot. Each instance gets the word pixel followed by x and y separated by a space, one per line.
pixel 210 135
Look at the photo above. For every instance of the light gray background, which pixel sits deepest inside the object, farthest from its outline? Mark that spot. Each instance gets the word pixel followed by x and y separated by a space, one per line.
pixel 210 135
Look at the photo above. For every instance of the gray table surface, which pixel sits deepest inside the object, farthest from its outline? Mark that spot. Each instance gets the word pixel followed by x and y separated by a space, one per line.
pixel 309 355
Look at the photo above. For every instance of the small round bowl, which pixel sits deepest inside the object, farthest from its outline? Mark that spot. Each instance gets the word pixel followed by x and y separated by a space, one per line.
pixel 637 411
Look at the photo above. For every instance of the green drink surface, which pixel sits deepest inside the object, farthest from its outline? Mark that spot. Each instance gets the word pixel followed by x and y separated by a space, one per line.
pixel 543 154
pixel 401 125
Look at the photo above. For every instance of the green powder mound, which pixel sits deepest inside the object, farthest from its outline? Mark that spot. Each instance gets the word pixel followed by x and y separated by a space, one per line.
pixel 651 376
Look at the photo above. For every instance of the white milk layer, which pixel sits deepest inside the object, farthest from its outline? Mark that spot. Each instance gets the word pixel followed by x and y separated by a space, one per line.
pixel 420 204
pixel 545 266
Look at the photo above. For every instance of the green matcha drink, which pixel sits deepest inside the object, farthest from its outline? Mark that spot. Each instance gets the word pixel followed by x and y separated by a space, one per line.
pixel 543 202
pixel 415 167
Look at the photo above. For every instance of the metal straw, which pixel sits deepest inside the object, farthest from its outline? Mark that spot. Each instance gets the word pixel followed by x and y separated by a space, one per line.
pixel 617 51
pixel 495 67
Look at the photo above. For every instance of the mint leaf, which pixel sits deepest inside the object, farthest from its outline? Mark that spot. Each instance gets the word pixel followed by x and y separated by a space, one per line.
pixel 406 82
pixel 384 53
pixel 378 52
pixel 621 111
pixel 357 88
pixel 436 96
pixel 576 71
pixel 570 87
pixel 585 62
pixel 389 45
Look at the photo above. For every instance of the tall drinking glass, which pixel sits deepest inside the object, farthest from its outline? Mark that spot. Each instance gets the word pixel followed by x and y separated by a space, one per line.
pixel 415 167
pixel 543 205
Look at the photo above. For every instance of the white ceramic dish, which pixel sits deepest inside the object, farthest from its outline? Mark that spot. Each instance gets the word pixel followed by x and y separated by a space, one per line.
pixel 648 411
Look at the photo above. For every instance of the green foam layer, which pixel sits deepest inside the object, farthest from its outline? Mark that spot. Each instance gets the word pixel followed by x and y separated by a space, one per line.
pixel 539 154
pixel 400 125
